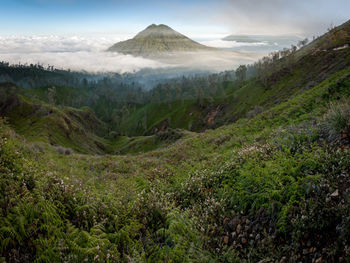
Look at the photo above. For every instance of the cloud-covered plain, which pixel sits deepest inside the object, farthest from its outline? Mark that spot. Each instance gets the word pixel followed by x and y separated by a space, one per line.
pixel 219 43
pixel 210 60
pixel 89 54
pixel 75 53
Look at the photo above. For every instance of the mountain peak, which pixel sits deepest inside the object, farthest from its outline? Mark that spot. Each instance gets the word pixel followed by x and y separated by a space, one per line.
pixel 157 26
pixel 158 31
pixel 156 40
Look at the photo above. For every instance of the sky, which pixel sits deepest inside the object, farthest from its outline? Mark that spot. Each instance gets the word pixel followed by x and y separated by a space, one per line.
pixel 197 18
pixel 75 34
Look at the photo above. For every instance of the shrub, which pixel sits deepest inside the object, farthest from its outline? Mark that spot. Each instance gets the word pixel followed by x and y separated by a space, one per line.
pixel 62 150
pixel 113 134
pixel 169 135
pixel 68 151
pixel 336 123
pixel 257 110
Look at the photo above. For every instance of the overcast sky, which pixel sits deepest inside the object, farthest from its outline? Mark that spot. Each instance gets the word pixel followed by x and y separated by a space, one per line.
pixel 196 18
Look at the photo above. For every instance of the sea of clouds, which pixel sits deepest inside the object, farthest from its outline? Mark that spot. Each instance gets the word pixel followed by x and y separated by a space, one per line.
pixel 89 54
pixel 75 53
pixel 219 43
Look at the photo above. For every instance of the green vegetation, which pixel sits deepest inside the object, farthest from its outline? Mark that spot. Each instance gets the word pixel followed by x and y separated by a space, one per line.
pixel 271 186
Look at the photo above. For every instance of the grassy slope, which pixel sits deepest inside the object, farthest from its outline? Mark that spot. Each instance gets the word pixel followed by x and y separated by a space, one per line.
pixel 230 172
pixel 77 129
pixel 68 127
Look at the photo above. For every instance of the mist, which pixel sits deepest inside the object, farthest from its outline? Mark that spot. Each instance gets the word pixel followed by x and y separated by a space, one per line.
pixel 89 54
pixel 75 53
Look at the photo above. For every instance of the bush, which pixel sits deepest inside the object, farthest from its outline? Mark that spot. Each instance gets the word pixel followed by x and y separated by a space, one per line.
pixel 113 134
pixel 62 150
pixel 257 110
pixel 336 123
pixel 169 135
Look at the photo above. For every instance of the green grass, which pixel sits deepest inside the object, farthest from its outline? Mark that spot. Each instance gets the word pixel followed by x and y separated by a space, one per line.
pixel 77 129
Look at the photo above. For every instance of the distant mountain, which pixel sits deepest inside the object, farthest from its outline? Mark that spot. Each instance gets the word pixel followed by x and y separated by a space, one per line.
pixel 156 40
pixel 261 43
pixel 282 39
pixel 241 38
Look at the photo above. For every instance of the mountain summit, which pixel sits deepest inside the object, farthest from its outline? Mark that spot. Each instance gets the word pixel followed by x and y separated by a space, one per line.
pixel 156 40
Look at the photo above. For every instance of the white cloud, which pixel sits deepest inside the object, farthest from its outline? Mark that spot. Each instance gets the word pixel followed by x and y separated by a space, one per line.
pixel 75 53
pixel 231 44
pixel 89 54
pixel 210 60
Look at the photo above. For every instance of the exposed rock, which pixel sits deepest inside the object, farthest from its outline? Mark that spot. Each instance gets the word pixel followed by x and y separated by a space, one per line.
pixel 233 223
pixel 233 235
pixel 283 260
pixel 238 229
pixel 226 239
pixel 335 193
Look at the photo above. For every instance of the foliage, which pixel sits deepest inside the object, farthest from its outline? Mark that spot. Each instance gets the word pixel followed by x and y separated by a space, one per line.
pixel 337 122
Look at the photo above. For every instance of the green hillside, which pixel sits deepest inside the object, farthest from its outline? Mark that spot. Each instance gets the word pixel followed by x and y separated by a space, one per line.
pixel 288 78
pixel 68 129
pixel 274 169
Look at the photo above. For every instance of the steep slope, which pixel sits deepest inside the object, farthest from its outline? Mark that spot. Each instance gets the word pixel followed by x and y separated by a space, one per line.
pixel 78 129
pixel 156 40
pixel 337 38
pixel 68 128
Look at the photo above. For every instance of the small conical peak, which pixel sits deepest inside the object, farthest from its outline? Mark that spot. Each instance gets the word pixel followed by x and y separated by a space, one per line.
pixel 155 31
pixel 155 25
pixel 151 26
pixel 160 26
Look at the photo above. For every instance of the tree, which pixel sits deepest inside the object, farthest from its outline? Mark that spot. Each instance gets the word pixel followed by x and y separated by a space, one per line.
pixel 51 95
pixel 200 97
pixel 116 119
pixel 303 42
pixel 144 121
pixel 241 73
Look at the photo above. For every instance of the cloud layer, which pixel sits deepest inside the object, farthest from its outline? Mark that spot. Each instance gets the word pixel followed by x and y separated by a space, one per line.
pixel 219 43
pixel 306 18
pixel 75 53
pixel 89 54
